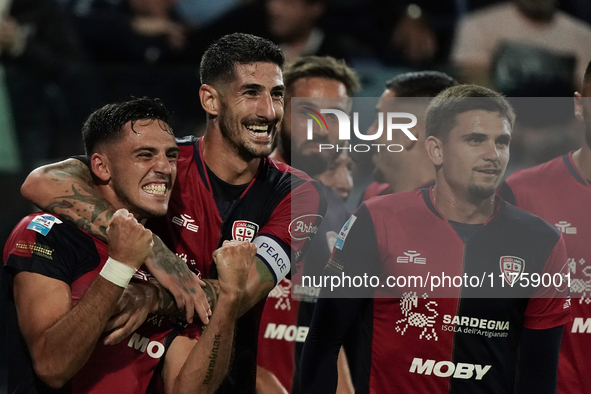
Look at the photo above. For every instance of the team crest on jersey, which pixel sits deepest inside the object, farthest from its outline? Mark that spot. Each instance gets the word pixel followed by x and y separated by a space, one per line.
pixel 511 268
pixel 243 230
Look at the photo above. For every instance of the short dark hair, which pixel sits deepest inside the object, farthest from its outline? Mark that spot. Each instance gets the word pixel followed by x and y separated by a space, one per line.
pixel 444 108
pixel 219 60
pixel 420 83
pixel 106 124
pixel 321 67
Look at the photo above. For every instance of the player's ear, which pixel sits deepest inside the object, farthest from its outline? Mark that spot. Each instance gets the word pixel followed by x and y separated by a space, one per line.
pixel 99 164
pixel 210 99
pixel 433 145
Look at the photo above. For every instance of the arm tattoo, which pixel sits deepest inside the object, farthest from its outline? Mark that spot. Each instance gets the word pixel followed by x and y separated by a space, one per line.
pixel 84 206
pixel 166 303
pixel 164 259
pixel 212 292
pixel 69 169
pixel 265 277
pixel 212 358
pixel 80 203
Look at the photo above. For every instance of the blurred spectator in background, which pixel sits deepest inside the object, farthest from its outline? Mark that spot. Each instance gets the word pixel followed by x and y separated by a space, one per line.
pixel 298 26
pixel 141 47
pixel 527 41
pixel 199 13
pixel 416 33
pixel 50 88
pixel 130 31
pixel 580 8
pixel 295 25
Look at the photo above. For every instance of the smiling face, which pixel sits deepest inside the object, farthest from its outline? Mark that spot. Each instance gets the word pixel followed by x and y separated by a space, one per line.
pixel 251 107
pixel 474 155
pixel 142 167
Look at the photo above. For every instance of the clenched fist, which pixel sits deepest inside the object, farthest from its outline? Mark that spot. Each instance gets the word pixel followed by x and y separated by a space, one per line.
pixel 129 241
pixel 233 262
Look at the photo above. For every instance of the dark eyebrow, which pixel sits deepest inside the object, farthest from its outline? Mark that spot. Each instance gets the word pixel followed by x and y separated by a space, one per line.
pixel 153 150
pixel 474 135
pixel 260 88
pixel 280 88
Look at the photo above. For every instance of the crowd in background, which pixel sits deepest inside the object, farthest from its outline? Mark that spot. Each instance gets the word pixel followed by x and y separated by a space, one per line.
pixel 60 59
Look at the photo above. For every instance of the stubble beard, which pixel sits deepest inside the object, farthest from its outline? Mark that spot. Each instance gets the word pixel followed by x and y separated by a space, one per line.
pixel 246 152
pixel 479 192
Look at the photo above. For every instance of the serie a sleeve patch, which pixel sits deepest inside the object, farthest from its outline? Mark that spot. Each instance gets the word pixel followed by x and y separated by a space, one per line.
pixel 43 223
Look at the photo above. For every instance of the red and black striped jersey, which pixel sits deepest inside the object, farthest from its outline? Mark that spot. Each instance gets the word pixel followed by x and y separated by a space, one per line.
pixel 42 243
pixel 279 210
pixel 557 192
pixel 464 339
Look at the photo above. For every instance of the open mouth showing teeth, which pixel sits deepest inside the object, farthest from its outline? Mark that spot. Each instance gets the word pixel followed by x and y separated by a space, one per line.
pixel 258 131
pixel 159 190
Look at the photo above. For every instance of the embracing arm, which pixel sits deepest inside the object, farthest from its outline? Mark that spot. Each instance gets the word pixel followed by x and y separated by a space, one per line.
pixel 67 189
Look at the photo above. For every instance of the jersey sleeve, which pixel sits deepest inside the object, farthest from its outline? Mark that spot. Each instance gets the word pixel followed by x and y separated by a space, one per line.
pixel 39 244
pixel 550 305
pixel 293 224
pixel 355 255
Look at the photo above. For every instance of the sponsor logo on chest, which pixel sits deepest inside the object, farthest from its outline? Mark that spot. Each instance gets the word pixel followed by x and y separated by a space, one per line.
pixel 444 369
pixel 581 325
pixel 154 349
pixel 287 333
pixel 303 227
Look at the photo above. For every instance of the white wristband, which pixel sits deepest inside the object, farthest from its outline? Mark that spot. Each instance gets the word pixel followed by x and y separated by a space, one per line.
pixel 117 273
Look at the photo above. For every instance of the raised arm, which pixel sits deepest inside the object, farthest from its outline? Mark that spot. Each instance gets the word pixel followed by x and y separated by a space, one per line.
pixel 60 337
pixel 67 189
pixel 200 366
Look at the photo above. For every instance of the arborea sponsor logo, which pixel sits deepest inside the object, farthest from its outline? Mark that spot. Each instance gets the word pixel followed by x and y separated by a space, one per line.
pixel 303 227
pixel 393 122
